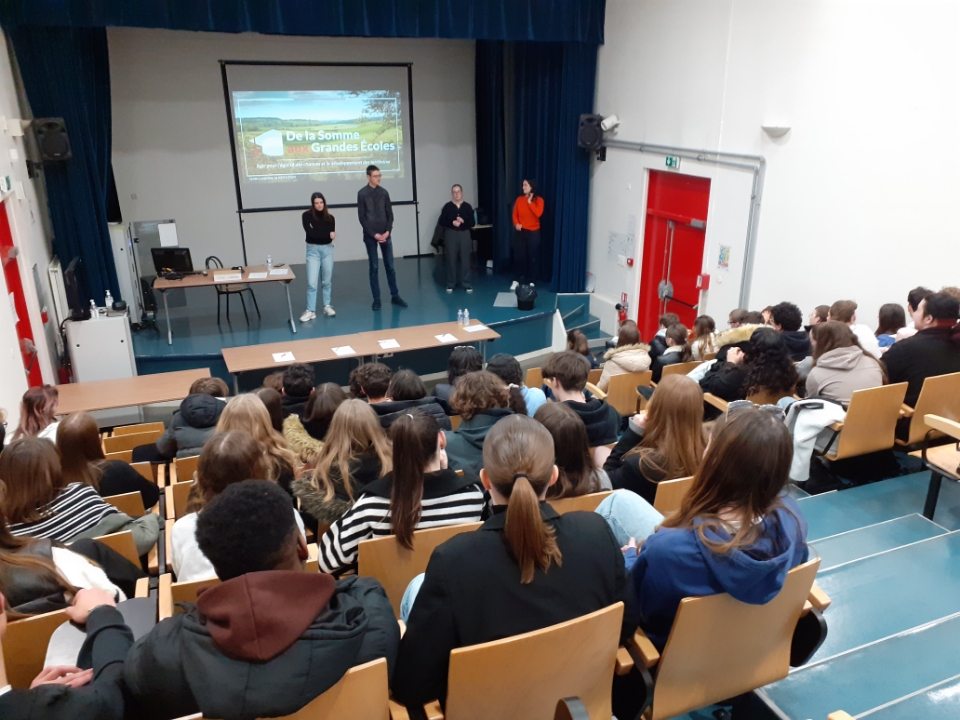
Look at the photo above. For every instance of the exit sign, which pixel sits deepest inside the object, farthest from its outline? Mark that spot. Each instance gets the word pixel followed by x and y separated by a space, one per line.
pixel 673 161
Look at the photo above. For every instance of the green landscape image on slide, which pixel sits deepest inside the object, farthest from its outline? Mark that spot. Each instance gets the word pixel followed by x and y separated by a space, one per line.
pixel 281 135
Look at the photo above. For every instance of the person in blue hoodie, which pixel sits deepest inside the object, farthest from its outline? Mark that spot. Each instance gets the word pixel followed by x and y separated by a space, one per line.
pixel 737 530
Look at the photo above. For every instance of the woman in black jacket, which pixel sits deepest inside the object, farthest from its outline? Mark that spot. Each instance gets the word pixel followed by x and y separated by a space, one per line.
pixel 677 351
pixel 320 228
pixel 525 569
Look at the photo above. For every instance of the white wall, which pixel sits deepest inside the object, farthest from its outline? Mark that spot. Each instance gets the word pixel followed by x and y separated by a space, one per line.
pixel 858 196
pixel 171 144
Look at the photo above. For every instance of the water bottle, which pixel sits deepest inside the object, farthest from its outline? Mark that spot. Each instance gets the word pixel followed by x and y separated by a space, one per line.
pixel 269 264
pixel 93 309
pixel 460 318
pixel 108 301
pixel 466 317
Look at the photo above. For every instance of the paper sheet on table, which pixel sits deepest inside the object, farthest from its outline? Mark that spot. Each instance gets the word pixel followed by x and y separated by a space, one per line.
pixel 475 328
pixel 283 357
pixel 168 234
pixel 388 344
pixel 446 338
pixel 343 351
pixel 256 276
pixel 279 271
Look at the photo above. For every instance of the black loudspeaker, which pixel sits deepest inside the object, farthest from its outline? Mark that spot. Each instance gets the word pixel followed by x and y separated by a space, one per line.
pixel 52 139
pixel 590 135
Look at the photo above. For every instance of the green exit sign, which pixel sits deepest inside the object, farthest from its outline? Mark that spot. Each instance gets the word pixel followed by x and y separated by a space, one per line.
pixel 673 161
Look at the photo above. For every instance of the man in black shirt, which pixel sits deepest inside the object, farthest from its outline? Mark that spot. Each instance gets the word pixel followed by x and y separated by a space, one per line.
pixel 456 219
pixel 376 219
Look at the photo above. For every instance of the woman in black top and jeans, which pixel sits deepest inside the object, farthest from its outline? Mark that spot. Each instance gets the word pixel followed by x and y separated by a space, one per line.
pixel 320 227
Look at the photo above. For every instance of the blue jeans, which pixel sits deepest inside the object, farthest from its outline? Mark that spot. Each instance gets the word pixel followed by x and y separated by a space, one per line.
pixel 629 516
pixel 409 595
pixel 387 249
pixel 319 266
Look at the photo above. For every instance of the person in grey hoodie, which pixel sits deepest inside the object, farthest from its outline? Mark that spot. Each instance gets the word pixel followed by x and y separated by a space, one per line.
pixel 840 365
pixel 481 399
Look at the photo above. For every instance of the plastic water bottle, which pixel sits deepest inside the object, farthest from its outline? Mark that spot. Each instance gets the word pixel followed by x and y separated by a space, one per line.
pixel 108 301
pixel 269 263
pixel 466 317
pixel 93 309
pixel 460 318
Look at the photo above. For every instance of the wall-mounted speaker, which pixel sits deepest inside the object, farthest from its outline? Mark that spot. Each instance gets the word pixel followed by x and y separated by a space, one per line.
pixel 52 140
pixel 590 135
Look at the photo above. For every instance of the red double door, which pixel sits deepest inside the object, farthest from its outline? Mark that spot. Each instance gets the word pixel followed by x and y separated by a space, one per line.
pixel 18 301
pixel 673 244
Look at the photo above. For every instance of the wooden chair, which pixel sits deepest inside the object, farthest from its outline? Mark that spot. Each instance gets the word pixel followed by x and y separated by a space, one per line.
pixel 395 566
pixel 148 471
pixel 455 421
pixel 709 356
pixel 622 392
pixel 129 442
pixel 587 503
pixel 533 672
pixel 129 503
pixel 762 398
pixel 184 469
pixel 870 424
pixel 680 368
pixel 121 542
pixel 839 715
pixel 141 428
pixel 595 391
pixel 939 396
pixel 177 495
pixel 25 646
pixel 670 495
pixel 943 461
pixel 124 455
pixel 534 378
pixel 594 377
pixel 719 647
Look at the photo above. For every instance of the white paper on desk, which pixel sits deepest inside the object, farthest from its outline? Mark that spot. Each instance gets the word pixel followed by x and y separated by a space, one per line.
pixel 279 271
pixel 227 277
pixel 344 351
pixel 257 276
pixel 475 328
pixel 168 234
pixel 388 344
pixel 446 338
pixel 283 357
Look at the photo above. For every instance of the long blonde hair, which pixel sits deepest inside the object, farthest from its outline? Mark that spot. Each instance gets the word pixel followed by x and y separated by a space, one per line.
pixel 354 430
pixel 248 414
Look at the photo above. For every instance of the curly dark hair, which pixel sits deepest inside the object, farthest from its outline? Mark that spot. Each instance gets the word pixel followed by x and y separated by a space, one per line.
pixel 464 359
pixel 769 367
pixel 246 528
pixel 787 316
pixel 507 368
pixel 370 380
pixel 298 380
pixel 478 391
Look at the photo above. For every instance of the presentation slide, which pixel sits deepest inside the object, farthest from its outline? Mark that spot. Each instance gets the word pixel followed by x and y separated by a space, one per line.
pixel 304 129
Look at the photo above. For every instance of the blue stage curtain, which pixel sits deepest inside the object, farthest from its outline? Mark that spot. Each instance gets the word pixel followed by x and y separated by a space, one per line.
pixel 553 84
pixel 66 73
pixel 542 20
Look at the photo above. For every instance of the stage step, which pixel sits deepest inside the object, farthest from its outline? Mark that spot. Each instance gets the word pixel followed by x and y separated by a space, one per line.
pixel 871 676
pixel 872 539
pixel 588 326
pixel 938 702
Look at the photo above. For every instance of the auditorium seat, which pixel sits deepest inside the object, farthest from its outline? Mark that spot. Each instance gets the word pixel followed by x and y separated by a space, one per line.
pixel 594 376
pixel 25 646
pixel 585 503
pixel 622 392
pixel 148 471
pixel 184 469
pixel 129 503
pixel 670 495
pixel 679 369
pixel 177 496
pixel 139 428
pixel 870 423
pixel 940 395
pixel 534 378
pixel 121 542
pixel 118 443
pixel 943 461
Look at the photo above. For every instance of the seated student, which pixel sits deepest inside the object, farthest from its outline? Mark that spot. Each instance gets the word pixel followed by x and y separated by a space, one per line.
pixel 664 443
pixel 481 400
pixel 914 297
pixel 630 355
pixel 407 391
pixel 193 424
pixel 818 315
pixel 566 375
pixel 305 437
pixel 577 342
pixel 725 378
pixel 507 368
pixel 702 341
pixel 787 320
pixel 268 639
pixel 69 693
pixel 463 360
pixel 370 382
pixel 226 458
pixel 578 473
pixel 754 317
pixel 354 454
pixel 274 381
pixel 248 414
pixel 525 569
pixel 38 414
pixel 840 366
pixel 890 321
pixel 658 345
pixel 297 385
pixel 771 374
pixel 737 530
pixel 737 317
pixel 845 311
pixel 934 350
pixel 677 350
pixel 39 503
pixel 420 492
pixel 82 460
pixel 273 401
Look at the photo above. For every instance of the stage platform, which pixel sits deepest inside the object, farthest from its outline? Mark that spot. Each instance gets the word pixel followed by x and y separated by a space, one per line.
pixel 198 340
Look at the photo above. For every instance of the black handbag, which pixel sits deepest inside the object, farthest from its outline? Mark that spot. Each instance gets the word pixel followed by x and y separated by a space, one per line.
pixel 526 296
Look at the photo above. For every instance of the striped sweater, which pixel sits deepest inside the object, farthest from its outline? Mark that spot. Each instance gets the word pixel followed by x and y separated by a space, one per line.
pixel 448 499
pixel 76 509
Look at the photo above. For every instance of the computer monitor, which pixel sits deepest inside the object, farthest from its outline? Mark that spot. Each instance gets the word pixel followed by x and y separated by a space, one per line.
pixel 172 259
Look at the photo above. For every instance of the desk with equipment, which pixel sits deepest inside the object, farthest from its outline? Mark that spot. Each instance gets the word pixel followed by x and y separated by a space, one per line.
pixel 175 270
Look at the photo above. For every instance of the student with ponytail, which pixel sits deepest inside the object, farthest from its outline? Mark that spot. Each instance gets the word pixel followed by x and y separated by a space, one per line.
pixel 420 492
pixel 524 569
